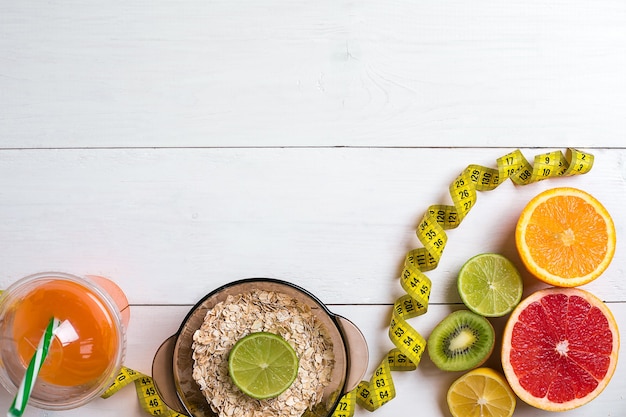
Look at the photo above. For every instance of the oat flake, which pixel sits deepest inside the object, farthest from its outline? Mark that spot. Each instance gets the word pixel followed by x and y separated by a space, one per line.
pixel 266 311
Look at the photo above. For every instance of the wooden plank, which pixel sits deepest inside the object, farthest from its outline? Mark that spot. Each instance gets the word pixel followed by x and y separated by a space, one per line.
pixel 173 224
pixel 301 73
pixel 424 388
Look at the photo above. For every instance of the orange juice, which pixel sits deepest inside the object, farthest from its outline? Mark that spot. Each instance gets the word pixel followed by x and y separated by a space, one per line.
pixel 89 343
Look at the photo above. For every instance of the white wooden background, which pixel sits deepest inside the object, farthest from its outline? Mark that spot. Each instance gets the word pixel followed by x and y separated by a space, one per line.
pixel 174 146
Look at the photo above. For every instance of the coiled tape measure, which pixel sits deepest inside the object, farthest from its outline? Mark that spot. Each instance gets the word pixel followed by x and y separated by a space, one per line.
pixel 146 392
pixel 409 343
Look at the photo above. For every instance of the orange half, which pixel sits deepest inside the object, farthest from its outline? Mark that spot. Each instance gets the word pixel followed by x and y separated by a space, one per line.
pixel 565 237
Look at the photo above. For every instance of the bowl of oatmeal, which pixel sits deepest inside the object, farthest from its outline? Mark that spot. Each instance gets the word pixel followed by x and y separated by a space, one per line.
pixel 190 368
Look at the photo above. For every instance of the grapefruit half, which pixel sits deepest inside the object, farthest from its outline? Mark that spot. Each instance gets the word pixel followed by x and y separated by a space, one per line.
pixel 559 348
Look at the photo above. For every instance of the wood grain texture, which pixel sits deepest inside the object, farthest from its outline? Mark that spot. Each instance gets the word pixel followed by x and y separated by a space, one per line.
pixel 300 73
pixel 170 225
pixel 422 389
pixel 322 218
pixel 175 146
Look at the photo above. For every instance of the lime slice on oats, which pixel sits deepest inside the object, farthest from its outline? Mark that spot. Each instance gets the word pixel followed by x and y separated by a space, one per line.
pixel 262 365
pixel 490 285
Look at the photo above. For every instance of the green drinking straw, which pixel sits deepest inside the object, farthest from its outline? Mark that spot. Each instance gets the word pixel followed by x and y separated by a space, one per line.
pixel 28 382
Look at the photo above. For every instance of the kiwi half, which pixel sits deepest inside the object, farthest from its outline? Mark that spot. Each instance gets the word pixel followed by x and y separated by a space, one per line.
pixel 461 341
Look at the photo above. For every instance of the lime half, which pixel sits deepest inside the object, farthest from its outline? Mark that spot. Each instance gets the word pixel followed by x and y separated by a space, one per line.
pixel 262 365
pixel 490 285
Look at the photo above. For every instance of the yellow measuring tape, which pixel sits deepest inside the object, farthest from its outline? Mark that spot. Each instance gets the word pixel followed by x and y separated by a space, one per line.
pixel 146 392
pixel 409 343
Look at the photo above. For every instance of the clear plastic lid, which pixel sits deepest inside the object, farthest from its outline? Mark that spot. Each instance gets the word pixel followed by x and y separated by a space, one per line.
pixel 88 347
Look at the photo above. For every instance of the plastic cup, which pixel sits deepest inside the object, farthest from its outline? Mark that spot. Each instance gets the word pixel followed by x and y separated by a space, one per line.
pixel 89 347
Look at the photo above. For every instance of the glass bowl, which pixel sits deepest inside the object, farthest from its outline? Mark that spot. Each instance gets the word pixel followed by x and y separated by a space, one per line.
pixel 173 364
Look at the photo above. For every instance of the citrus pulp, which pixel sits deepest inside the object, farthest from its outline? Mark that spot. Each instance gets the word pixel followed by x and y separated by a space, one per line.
pixel 481 392
pixel 262 365
pixel 559 348
pixel 565 237
pixel 490 285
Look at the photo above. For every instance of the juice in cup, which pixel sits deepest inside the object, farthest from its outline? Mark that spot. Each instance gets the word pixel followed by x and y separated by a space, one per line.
pixel 88 347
